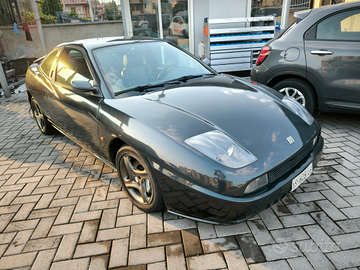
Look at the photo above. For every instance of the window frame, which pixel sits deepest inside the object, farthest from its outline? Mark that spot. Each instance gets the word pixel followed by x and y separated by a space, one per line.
pixel 54 62
pixel 311 33
pixel 332 2
pixel 88 64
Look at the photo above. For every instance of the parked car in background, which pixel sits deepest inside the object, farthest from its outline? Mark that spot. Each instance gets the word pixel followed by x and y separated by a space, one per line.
pixel 179 26
pixel 204 145
pixel 316 60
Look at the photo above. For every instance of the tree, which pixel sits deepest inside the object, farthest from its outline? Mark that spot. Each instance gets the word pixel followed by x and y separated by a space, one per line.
pixel 111 11
pixel 6 16
pixel 50 7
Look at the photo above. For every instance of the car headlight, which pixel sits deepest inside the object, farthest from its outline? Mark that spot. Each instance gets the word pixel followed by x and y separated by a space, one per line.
pixel 256 184
pixel 298 109
pixel 219 147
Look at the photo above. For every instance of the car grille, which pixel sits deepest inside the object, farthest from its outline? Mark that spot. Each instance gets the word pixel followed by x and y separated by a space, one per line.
pixel 289 164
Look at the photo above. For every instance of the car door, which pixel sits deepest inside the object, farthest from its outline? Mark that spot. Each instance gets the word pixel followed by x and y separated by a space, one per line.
pixel 41 87
pixel 332 49
pixel 73 111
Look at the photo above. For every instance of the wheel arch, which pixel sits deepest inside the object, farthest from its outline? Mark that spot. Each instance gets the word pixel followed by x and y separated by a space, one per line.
pixel 280 77
pixel 29 96
pixel 114 147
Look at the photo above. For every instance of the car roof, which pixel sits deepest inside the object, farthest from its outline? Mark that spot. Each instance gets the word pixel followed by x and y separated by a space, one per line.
pixel 93 43
pixel 322 11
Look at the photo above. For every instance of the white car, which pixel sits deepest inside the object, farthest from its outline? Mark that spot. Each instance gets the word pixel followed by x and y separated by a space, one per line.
pixel 179 26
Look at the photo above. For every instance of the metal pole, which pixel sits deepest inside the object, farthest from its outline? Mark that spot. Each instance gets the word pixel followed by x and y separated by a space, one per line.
pixel 18 10
pixel 285 13
pixel 91 11
pixel 38 24
pixel 126 16
pixel 191 26
pixel 160 19
pixel 12 6
pixel 3 82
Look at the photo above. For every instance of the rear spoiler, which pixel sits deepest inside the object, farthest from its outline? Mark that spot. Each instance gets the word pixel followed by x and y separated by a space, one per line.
pixel 302 14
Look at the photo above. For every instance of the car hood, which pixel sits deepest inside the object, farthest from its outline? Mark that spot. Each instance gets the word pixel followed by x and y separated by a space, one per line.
pixel 250 115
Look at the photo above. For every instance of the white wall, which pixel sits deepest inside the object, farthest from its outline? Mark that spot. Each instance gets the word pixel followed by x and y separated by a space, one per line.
pixel 201 11
pixel 227 9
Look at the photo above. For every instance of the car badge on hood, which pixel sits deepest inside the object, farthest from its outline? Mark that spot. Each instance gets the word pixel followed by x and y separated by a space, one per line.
pixel 290 140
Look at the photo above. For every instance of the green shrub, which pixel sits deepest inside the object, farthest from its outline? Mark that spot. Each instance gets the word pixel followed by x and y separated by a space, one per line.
pixel 73 14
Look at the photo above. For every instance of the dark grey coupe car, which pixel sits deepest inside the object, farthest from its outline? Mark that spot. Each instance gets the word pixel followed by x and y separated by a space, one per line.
pixel 316 61
pixel 203 145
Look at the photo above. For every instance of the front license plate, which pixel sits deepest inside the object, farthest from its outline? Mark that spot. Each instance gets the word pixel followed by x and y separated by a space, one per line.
pixel 302 177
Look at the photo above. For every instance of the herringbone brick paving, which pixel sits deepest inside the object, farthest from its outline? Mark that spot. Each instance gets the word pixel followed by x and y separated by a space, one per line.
pixel 61 208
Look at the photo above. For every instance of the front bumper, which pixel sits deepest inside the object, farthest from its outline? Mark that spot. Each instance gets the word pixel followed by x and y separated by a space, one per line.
pixel 200 204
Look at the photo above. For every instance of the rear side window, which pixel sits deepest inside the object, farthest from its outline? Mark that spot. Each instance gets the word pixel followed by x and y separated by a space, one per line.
pixel 48 61
pixel 341 26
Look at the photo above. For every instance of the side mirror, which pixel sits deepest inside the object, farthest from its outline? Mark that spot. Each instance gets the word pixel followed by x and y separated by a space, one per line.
pixel 83 86
pixel 35 69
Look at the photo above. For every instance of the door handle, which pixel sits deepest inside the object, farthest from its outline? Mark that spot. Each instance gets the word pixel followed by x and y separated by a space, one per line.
pixel 322 52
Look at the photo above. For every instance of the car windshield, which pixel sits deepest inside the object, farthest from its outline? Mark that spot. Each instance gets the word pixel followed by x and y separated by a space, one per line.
pixel 134 65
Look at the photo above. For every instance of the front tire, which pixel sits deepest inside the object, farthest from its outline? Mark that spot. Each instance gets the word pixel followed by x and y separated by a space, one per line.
pixel 299 90
pixel 137 178
pixel 40 118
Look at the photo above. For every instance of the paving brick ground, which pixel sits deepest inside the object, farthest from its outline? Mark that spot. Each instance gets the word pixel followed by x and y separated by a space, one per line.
pixel 61 208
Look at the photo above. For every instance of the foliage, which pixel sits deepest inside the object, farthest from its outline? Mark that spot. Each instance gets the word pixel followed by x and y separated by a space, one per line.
pixel 25 5
pixel 73 14
pixel 111 11
pixel 50 7
pixel 6 17
pixel 29 18
pixel 48 19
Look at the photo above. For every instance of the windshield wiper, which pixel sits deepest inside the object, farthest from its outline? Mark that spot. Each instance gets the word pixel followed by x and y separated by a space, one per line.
pixel 140 88
pixel 144 88
pixel 189 77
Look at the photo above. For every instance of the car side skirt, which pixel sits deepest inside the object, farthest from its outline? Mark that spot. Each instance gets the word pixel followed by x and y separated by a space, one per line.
pixel 82 146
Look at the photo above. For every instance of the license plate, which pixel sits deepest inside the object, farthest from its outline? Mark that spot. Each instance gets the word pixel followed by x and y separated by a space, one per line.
pixel 302 177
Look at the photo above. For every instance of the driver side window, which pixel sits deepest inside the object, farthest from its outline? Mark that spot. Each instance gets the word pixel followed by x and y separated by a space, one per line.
pixel 72 67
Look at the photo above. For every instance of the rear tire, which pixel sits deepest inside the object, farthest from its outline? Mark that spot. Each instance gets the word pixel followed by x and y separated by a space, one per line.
pixel 170 32
pixel 299 90
pixel 40 118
